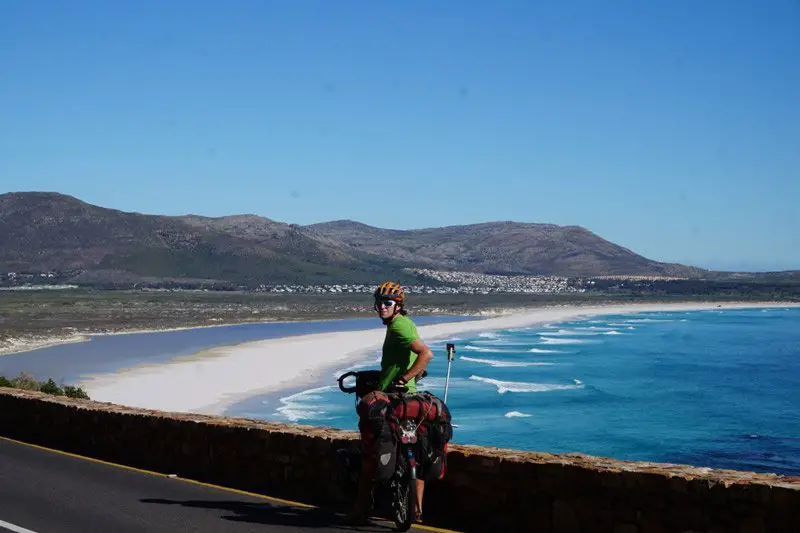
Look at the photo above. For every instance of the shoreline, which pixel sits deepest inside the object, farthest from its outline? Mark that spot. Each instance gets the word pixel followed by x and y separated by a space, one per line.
pixel 15 345
pixel 32 344
pixel 56 340
pixel 29 345
pixel 213 380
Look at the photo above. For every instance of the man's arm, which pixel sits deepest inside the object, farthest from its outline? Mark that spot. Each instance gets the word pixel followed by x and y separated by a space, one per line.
pixel 424 356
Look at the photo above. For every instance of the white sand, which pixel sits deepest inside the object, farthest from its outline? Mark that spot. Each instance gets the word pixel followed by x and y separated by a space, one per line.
pixel 211 381
pixel 15 345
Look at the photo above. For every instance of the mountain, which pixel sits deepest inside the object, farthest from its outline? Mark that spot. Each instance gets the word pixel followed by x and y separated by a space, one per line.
pixel 53 232
pixel 41 232
pixel 502 248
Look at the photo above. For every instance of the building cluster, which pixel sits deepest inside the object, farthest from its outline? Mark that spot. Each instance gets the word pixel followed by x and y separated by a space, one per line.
pixel 448 283
pixel 640 278
pixel 485 283
pixel 32 281
pixel 36 287
pixel 430 282
pixel 12 276
pixel 335 288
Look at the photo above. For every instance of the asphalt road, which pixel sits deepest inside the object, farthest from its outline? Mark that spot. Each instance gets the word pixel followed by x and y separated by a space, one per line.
pixel 43 491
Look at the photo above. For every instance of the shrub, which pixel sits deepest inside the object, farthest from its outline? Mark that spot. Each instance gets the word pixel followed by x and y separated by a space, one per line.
pixel 51 388
pixel 25 382
pixel 75 392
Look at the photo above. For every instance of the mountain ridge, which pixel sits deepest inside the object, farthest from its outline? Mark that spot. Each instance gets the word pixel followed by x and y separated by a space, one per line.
pixel 49 231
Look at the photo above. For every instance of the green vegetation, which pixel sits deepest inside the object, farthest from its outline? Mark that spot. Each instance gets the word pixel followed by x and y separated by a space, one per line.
pixel 75 392
pixel 27 382
pixel 761 289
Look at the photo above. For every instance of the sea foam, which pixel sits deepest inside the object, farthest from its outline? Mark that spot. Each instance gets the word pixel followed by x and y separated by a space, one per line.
pixel 503 364
pixel 517 386
pixel 561 340
pixel 306 405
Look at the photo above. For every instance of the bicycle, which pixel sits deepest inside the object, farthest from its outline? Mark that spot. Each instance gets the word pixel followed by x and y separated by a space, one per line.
pixel 398 481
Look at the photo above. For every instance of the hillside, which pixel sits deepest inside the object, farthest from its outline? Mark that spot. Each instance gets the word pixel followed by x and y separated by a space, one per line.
pixel 502 247
pixel 54 232
pixel 43 232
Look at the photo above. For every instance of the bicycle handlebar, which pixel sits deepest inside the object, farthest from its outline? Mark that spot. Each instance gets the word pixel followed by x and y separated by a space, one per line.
pixel 350 390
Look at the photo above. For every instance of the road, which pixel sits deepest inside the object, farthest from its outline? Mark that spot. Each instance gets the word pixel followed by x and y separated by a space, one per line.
pixel 44 491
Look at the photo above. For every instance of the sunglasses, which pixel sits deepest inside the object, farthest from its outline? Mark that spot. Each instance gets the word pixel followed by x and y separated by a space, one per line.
pixel 385 303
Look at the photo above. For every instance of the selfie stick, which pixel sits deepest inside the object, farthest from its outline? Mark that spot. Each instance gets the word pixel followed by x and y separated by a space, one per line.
pixel 451 351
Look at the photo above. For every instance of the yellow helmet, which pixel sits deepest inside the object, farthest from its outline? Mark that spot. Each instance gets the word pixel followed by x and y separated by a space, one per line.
pixel 389 290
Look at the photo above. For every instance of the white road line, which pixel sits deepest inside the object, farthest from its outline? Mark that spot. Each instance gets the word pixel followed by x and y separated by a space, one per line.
pixel 15 529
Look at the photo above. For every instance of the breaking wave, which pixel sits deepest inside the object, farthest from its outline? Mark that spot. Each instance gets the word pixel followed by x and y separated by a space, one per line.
pixel 477 348
pixel 560 340
pixel 486 349
pixel 516 414
pixel 570 332
pixel 517 386
pixel 503 364
pixel 309 404
pixel 501 342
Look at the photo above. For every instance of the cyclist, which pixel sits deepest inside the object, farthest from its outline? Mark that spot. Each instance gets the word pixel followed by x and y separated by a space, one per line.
pixel 405 356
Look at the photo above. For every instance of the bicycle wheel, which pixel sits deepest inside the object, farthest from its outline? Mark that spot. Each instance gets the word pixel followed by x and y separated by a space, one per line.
pixel 404 501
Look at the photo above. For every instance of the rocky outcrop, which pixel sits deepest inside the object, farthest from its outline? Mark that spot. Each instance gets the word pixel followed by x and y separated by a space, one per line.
pixel 486 489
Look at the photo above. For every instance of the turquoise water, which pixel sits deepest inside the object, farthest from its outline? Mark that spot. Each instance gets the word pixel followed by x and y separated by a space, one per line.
pixel 716 388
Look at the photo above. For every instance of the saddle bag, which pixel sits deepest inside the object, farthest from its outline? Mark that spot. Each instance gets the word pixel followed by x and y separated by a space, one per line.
pixel 434 432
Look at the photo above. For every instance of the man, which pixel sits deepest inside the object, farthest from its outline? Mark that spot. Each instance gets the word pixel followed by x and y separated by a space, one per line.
pixel 404 358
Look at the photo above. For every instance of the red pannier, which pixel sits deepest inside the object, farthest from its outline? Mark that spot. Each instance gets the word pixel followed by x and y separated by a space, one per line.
pixel 379 416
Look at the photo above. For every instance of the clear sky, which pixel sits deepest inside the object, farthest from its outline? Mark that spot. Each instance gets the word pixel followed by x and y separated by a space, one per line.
pixel 671 127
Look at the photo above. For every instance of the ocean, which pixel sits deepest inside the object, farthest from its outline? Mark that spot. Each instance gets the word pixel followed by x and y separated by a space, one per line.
pixel 716 388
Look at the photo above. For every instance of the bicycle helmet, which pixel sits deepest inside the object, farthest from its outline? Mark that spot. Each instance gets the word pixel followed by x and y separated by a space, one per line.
pixel 389 290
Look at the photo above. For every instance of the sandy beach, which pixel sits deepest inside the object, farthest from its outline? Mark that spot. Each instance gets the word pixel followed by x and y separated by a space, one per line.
pixel 212 380
pixel 16 345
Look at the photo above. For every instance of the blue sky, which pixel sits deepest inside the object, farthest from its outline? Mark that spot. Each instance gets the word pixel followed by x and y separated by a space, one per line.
pixel 671 127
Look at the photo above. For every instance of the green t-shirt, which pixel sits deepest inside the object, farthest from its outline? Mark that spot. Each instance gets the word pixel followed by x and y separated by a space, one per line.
pixel 398 357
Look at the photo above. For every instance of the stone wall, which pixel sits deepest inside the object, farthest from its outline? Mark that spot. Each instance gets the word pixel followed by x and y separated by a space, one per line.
pixel 485 489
